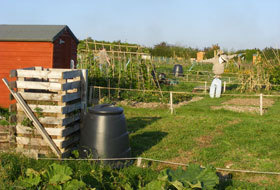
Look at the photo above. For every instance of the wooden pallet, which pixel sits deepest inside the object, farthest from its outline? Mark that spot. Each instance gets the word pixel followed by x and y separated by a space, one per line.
pixel 56 97
pixel 7 137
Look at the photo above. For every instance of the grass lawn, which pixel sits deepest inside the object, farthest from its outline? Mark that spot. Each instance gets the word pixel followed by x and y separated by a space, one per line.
pixel 194 134
pixel 222 138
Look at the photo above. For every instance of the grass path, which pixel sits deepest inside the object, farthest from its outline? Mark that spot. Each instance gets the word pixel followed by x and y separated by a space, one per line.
pixel 222 138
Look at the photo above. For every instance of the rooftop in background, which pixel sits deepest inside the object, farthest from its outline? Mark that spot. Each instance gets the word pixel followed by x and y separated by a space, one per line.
pixel 33 33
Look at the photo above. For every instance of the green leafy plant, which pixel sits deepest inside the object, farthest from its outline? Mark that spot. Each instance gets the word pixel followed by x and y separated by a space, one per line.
pixel 4 122
pixel 39 112
pixel 4 116
pixel 194 177
pixel 27 122
pixel 32 178
pixel 55 177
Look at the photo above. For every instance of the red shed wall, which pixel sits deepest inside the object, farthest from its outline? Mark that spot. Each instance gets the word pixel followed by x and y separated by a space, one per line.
pixel 16 55
pixel 64 52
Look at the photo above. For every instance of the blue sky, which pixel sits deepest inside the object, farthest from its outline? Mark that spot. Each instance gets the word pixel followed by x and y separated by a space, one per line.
pixel 233 24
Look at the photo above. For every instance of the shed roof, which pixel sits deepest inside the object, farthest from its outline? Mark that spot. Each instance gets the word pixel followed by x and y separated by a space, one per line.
pixel 33 33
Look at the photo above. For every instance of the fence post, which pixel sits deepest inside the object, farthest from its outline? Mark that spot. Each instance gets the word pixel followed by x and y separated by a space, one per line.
pixel 171 102
pixel 139 161
pixel 109 94
pixel 90 95
pixel 205 87
pixel 99 95
pixel 261 104
pixel 84 89
pixel 225 83
pixel 93 93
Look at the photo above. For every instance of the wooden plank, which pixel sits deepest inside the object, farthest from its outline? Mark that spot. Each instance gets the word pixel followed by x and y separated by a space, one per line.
pixel 43 108
pixel 13 119
pixel 39 68
pixel 12 108
pixel 63 131
pixel 70 108
pixel 29 153
pixel 57 69
pixel 38 85
pixel 60 143
pixel 36 123
pixel 35 153
pixel 46 73
pixel 71 97
pixel 40 74
pixel 57 121
pixel 66 131
pixel 70 120
pixel 53 109
pixel 13 73
pixel 84 89
pixel 90 95
pixel 51 96
pixel 71 85
pixel 71 74
pixel 73 79
pixel 12 84
pixel 41 96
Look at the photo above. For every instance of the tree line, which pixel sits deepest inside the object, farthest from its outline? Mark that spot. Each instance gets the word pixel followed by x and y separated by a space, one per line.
pixel 164 49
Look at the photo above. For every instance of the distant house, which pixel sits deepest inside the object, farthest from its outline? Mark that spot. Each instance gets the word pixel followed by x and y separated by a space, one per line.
pixel 21 46
pixel 200 56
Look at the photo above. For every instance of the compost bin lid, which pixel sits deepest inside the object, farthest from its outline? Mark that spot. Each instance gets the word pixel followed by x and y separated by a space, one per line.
pixel 106 109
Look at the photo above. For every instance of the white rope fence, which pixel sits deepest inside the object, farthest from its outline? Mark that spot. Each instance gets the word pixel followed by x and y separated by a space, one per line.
pixel 140 159
pixel 261 96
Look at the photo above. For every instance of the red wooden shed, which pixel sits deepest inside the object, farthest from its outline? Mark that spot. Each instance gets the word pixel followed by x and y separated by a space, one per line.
pixel 21 46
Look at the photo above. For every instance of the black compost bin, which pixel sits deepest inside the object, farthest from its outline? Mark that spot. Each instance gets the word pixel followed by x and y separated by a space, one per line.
pixel 104 133
pixel 178 70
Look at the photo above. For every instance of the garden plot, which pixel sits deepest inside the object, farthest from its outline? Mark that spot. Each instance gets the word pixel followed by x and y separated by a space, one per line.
pixel 249 105
pixel 136 104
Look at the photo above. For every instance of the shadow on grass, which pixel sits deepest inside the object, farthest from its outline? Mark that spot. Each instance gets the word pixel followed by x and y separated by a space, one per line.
pixel 144 141
pixel 136 123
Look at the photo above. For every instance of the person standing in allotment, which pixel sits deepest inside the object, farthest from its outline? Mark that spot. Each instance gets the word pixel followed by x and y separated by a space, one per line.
pixel 218 70
pixel 103 59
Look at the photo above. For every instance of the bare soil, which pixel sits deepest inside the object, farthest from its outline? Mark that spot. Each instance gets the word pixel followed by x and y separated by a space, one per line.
pixel 250 105
pixel 157 104
pixel 249 102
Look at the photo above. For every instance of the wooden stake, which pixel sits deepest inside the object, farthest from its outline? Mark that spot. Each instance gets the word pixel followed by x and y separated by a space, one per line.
pixel 90 95
pixel 93 93
pixel 225 83
pixel 84 89
pixel 171 102
pixel 33 118
pixel 109 93
pixel 99 95
pixel 261 104
pixel 205 87
pixel 139 161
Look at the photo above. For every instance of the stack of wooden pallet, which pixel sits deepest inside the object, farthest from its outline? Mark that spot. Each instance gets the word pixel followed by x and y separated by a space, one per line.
pixel 54 96
pixel 7 140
